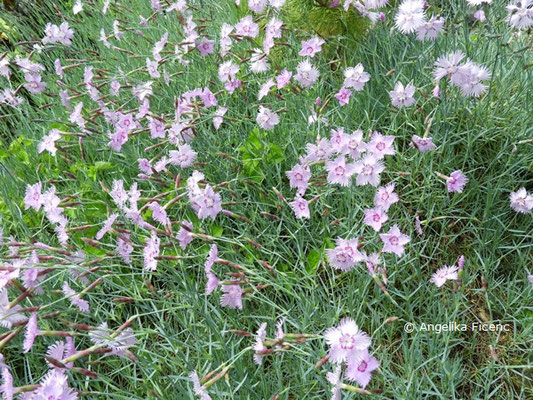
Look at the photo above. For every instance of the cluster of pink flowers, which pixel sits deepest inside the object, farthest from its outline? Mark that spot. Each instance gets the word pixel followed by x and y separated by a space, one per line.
pixel 348 345
pixel 411 17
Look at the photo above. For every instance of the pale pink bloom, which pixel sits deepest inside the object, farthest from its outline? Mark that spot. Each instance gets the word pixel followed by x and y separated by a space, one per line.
pixel 74 298
pixel 360 371
pixel 368 170
pixel 338 140
pixel 34 83
pixel 402 96
pixel 76 117
pixel 265 88
pixel 340 172
pixel 247 27
pixel 299 177
pixel 259 62
pixel 530 279
pixel 345 255
pixel 436 92
pixel 185 234
pixel 480 16
pixel 157 128
pixel 209 203
pixel 283 79
pixel 152 68
pixel 118 344
pixel 232 296
pixel 31 333
pixel 227 71
pixel 355 145
pixel 218 119
pixel 159 214
pixel 9 315
pixel 34 197
pixel 300 207
pixel 267 119
pixel 380 146
pixel 59 68
pixel 371 262
pixel 521 201
pixel 423 144
pixel 61 350
pixel 448 65
pixel 410 16
pixel 355 77
pixel 212 257
pixel 345 341
pixel 118 194
pixel 212 283
pixel 257 6
pixel 277 4
pixel 394 241
pixel 456 182
pixel 306 74
pixel 311 47
pixel 107 226
pixel 206 46
pixel 471 79
pixel 444 274
pixel 151 252
pixel 199 390
pixel 279 329
pixel 184 156
pixel 335 377
pixel 319 152
pixel 259 345
pixel 343 96
pixel 478 2
pixel 145 166
pixel 53 386
pixel 58 34
pixel 7 96
pixel 208 98
pixel 520 13
pixel 430 30
pixel 375 218
pixel 225 39
pixel 118 139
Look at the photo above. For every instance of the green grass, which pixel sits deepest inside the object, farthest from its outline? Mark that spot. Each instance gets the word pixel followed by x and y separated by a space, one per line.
pixel 179 329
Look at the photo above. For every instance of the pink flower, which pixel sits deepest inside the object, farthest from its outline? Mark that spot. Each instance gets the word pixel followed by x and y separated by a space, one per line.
pixel 385 197
pixel 345 341
pixel 31 333
pixel 157 128
pixel 34 198
pixel 343 96
pixel 355 77
pixel 247 27
pixel 58 34
pixel 430 29
pixel 394 241
pixel 381 146
pixel 259 346
pixel 521 201
pixel 184 234
pixel 345 255
pixel 299 177
pixel 444 274
pixel 118 344
pixel 152 68
pixel 61 350
pixel 267 119
pixel 410 16
pixel 283 79
pixel 257 6
pixel 319 152
pixel 265 89
pixel 355 144
pixel 199 390
pixel 124 248
pixel 159 214
pixel 340 172
pixel 423 144
pixel 300 207
pixel 151 252
pixel 368 170
pixel 54 385
pixel 74 298
pixel 338 140
pixel 184 156
pixel 206 46
pixel 34 83
pixel 306 74
pixel 209 203
pixel 375 218
pixel 360 371
pixel 402 96
pixel 456 182
pixel 311 47
pixel 218 118
pixel 208 98
pixel 8 315
pixel 480 16
pixel 227 71
pixel 232 296
pixel 449 66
